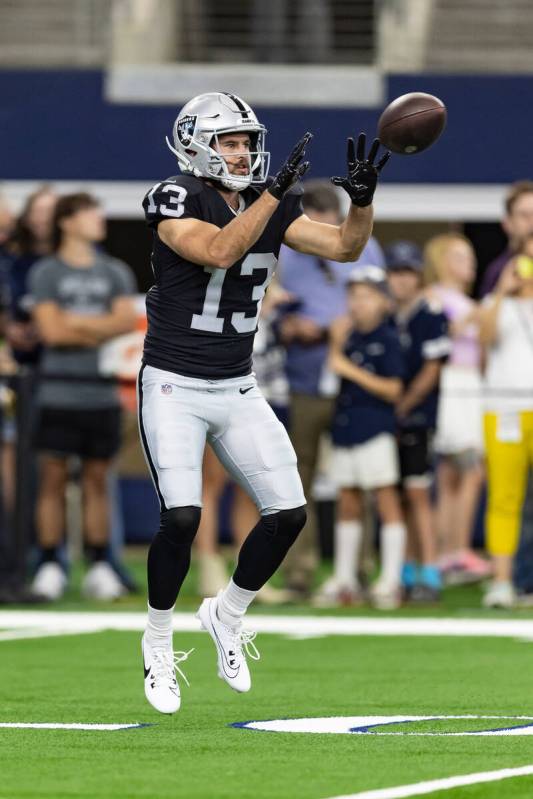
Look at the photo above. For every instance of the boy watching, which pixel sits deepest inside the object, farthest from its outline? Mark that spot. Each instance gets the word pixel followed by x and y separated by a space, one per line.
pixel 366 354
pixel 423 334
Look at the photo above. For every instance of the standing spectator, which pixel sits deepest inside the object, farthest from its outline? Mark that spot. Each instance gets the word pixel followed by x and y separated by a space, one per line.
pixel 6 567
pixel 507 331
pixel 31 241
pixel 422 328
pixel 366 354
pixel 517 224
pixel 318 288
pixel 81 299
pixel 450 270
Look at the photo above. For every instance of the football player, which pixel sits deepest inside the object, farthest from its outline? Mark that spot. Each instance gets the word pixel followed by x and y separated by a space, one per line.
pixel 218 228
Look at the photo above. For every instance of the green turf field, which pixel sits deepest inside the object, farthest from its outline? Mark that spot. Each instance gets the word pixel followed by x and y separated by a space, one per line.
pixel 197 755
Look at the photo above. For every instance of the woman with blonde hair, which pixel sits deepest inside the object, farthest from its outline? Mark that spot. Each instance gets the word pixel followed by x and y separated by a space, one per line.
pixel 450 270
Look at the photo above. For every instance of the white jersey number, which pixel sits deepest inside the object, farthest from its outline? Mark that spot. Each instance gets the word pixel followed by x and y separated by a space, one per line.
pixel 209 319
pixel 176 200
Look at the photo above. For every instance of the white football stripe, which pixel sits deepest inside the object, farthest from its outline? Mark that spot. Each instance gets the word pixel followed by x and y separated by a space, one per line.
pixel 421 788
pixel 74 726
pixel 75 623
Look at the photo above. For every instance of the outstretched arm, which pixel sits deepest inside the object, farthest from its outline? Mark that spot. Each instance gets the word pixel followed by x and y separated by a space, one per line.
pixel 344 242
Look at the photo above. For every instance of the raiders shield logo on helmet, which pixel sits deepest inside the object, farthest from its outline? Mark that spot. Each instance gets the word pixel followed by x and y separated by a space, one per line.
pixel 185 129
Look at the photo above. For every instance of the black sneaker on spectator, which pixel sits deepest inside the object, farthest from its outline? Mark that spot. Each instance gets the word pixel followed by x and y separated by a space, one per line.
pixel 425 595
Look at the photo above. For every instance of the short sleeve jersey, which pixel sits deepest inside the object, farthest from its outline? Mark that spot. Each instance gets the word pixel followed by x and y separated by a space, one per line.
pixel 70 376
pixel 202 320
pixel 424 337
pixel 359 414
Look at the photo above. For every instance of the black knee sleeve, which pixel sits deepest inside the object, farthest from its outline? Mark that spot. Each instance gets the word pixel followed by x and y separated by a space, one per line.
pixel 169 557
pixel 179 525
pixel 266 546
pixel 286 523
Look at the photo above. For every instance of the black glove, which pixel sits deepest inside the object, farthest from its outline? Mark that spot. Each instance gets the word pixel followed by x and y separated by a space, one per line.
pixel 363 174
pixel 292 170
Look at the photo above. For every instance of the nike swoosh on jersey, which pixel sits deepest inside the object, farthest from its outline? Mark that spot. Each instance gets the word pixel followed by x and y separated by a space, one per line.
pixel 245 390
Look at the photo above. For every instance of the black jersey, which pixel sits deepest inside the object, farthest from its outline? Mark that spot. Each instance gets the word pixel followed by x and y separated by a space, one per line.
pixel 201 320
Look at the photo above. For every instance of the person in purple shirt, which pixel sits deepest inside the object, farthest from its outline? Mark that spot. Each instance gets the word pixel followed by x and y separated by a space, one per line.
pixel 517 224
pixel 318 291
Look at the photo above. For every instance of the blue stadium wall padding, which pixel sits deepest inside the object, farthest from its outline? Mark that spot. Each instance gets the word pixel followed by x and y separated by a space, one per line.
pixel 57 124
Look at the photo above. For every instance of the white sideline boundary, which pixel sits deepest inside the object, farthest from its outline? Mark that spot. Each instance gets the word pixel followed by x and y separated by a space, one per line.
pixel 49 725
pixel 431 786
pixel 19 624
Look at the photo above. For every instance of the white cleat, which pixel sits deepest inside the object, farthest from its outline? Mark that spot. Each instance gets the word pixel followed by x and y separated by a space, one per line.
pixel 102 583
pixel 499 595
pixel 50 581
pixel 230 643
pixel 160 664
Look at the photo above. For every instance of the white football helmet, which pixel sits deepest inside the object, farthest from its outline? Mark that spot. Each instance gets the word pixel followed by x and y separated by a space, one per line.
pixel 196 129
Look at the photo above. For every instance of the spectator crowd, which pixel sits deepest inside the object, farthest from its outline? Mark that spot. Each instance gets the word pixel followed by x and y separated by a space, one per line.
pixel 409 402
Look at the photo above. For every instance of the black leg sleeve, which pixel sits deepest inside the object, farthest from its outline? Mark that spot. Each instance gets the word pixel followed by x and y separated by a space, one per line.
pixel 266 546
pixel 169 556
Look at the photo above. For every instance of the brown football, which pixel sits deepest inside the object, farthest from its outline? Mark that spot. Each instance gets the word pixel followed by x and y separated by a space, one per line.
pixel 412 123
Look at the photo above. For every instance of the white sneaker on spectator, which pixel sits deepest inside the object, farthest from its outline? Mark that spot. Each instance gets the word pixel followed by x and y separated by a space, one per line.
pixel 50 581
pixel 102 583
pixel 385 596
pixel 268 595
pixel 500 594
pixel 332 593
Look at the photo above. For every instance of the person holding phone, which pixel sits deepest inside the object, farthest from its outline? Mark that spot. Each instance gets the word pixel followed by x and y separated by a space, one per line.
pixel 506 326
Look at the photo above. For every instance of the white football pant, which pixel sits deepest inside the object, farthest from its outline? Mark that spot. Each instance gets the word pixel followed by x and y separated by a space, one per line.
pixel 178 414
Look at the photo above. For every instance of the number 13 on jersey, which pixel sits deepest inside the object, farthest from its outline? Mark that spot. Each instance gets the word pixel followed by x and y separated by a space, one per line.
pixel 209 320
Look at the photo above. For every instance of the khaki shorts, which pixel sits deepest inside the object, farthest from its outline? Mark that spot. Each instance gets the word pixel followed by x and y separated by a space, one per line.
pixel 373 464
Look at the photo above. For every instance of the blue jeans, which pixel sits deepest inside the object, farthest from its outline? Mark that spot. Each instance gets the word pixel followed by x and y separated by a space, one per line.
pixel 523 564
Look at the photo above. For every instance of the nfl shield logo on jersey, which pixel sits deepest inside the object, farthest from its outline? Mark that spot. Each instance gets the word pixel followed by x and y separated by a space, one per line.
pixel 185 128
pixel 166 388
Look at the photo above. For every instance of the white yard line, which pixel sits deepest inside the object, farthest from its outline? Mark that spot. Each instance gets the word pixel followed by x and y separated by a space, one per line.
pixel 32 623
pixel 48 725
pixel 421 788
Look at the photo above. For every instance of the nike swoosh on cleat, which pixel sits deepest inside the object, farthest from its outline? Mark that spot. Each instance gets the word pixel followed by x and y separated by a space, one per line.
pixel 146 670
pixel 231 671
pixel 245 390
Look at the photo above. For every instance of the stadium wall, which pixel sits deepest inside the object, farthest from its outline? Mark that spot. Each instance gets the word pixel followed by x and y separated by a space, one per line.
pixel 66 130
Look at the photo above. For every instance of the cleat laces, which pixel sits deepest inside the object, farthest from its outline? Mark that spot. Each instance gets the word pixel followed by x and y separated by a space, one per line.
pixel 165 664
pixel 244 639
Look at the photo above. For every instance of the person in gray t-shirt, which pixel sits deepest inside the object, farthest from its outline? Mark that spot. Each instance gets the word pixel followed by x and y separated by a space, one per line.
pixel 81 299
